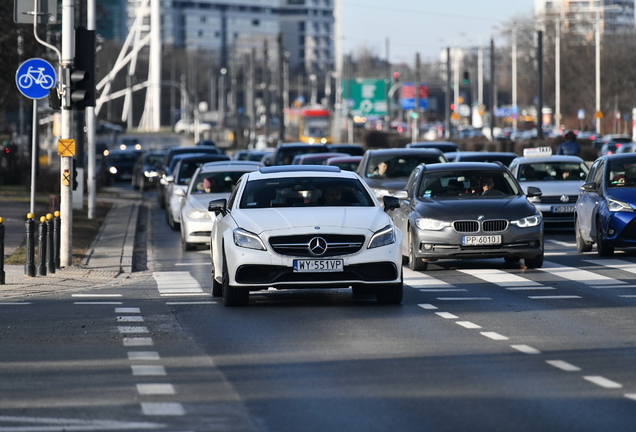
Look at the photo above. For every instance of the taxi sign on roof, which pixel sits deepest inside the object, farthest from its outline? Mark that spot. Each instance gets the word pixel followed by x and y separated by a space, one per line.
pixel 537 152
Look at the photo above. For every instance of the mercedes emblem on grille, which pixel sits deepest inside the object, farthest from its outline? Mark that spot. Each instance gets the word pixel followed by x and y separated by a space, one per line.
pixel 317 246
pixel 565 198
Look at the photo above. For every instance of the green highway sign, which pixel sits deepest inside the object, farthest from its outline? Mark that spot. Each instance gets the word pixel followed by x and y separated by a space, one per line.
pixel 365 96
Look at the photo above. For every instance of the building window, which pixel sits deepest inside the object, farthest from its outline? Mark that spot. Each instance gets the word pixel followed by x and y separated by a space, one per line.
pixel 256 22
pixel 202 19
pixel 301 40
pixel 295 2
pixel 301 26
pixel 200 33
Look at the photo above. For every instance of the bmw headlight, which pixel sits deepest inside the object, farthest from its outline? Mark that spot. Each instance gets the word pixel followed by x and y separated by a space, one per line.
pixel 431 224
pixel 384 237
pixel 618 206
pixel 248 240
pixel 527 222
pixel 197 214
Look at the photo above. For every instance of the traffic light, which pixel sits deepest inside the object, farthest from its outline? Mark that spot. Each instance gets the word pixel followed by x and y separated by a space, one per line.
pixel 466 78
pixel 83 73
pixel 396 76
pixel 74 177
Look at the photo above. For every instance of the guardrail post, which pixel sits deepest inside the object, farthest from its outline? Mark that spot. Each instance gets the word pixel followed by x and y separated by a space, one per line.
pixel 29 266
pixel 42 237
pixel 50 250
pixel 2 274
pixel 57 223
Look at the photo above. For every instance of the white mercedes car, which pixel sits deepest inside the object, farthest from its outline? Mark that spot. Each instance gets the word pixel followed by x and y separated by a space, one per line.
pixel 296 227
pixel 212 181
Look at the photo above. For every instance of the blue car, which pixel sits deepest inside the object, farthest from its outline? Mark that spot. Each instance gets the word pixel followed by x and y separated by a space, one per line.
pixel 606 207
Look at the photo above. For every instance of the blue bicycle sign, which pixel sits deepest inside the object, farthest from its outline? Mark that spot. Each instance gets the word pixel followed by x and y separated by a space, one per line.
pixel 35 77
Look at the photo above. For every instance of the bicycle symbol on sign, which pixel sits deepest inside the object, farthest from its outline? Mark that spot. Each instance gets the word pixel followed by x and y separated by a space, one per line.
pixel 38 77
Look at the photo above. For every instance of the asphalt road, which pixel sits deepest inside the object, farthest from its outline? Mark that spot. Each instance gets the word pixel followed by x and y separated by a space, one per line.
pixel 475 346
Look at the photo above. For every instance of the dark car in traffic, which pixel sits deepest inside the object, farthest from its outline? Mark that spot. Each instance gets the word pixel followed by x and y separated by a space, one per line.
pixel 444 146
pixel 386 170
pixel 285 153
pixel 606 207
pixel 483 156
pixel 460 210
pixel 119 164
pixel 146 169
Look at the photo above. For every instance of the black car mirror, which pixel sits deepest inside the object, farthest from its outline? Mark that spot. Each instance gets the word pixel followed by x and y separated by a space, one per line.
pixel 390 202
pixel 533 192
pixel 588 187
pixel 218 206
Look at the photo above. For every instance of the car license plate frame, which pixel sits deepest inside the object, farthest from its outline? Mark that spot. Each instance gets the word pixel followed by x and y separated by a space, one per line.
pixel 481 240
pixel 318 265
pixel 563 209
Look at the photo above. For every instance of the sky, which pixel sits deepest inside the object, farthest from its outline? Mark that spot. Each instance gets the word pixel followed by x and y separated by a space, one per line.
pixel 424 26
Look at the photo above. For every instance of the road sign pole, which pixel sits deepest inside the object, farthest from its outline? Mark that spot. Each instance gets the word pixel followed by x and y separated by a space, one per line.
pixel 66 197
pixel 34 153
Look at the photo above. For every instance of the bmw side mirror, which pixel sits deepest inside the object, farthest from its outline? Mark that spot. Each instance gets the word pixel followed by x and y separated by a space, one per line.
pixel 588 187
pixel 390 202
pixel 533 192
pixel 218 206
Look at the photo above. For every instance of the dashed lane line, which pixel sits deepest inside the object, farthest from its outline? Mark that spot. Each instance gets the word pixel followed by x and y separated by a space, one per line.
pixel 427 306
pixel 468 324
pixel 494 336
pixel 446 315
pixel 138 341
pixel 162 409
pixel 155 389
pixel 132 329
pixel 130 319
pixel 127 310
pixel 526 349
pixel 143 355
pixel 574 274
pixel 14 303
pixel 97 303
pixel 97 295
pixel 190 303
pixel 463 298
pixel 443 290
pixel 555 297
pixel 148 370
pixel 564 366
pixel 603 382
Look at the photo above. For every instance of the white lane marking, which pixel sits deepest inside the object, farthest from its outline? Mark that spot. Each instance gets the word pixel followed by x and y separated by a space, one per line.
pixel 177 283
pixel 419 280
pixel 127 310
pixel 494 336
pixel 612 286
pixel 96 295
pixel 535 288
pixel 447 315
pixel 55 424
pixel 565 366
pixel 468 324
pixel 443 290
pixel 555 297
pixel 97 303
pixel 631 396
pixel 603 382
pixel 185 294
pixel 627 296
pixel 577 275
pixel 147 370
pixel 14 303
pixel 193 264
pixel 155 389
pixel 133 329
pixel 463 298
pixel 191 302
pixel 625 266
pixel 138 341
pixel 162 409
pixel 562 243
pixel 130 319
pixel 143 355
pixel 555 253
pixel 526 349
pixel 501 278
pixel 426 306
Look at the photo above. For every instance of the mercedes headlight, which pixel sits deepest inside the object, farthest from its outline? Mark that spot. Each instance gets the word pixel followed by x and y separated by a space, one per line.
pixel 197 214
pixel 618 206
pixel 248 240
pixel 527 222
pixel 431 224
pixel 384 237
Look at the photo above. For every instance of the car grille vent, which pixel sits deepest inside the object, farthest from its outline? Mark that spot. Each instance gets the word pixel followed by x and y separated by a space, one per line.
pixel 466 226
pixel 486 226
pixel 556 199
pixel 297 245
pixel 494 225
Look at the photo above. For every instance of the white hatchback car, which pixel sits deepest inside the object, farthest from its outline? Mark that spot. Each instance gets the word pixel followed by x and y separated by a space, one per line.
pixel 294 227
pixel 212 181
